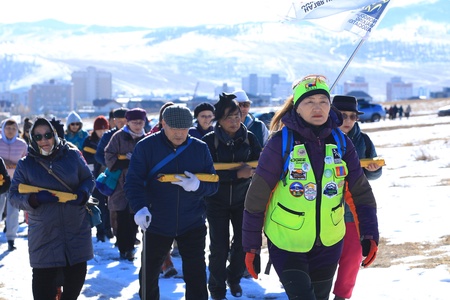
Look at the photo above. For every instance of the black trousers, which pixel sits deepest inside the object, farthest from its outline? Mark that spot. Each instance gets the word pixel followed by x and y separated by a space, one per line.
pixel 103 206
pixel 126 230
pixel 219 219
pixel 191 246
pixel 45 281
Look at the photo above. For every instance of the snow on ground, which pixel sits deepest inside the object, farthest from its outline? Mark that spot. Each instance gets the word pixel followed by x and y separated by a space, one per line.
pixel 413 204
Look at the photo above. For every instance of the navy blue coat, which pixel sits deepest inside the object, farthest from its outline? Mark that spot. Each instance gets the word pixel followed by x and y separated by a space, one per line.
pixel 174 211
pixel 58 233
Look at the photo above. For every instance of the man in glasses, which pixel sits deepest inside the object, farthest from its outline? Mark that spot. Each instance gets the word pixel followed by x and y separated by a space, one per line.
pixel 350 261
pixel 74 130
pixel 254 125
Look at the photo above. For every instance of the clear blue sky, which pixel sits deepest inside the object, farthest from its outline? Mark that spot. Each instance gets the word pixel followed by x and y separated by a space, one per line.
pixel 152 13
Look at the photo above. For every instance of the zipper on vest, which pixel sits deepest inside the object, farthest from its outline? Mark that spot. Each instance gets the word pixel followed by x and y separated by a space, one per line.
pixel 318 211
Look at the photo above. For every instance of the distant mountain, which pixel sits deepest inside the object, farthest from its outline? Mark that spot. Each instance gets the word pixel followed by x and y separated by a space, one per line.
pixel 411 42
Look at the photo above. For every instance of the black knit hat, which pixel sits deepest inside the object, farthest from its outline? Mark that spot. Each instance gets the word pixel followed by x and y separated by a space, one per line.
pixel 346 103
pixel 120 112
pixel 202 107
pixel 178 117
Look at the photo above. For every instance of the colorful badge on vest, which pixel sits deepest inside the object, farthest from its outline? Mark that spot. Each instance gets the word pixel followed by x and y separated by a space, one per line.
pixel 330 189
pixel 297 174
pixel 310 191
pixel 340 171
pixel 296 189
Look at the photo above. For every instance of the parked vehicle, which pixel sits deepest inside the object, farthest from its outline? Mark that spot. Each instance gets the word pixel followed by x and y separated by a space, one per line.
pixel 266 117
pixel 444 111
pixel 372 112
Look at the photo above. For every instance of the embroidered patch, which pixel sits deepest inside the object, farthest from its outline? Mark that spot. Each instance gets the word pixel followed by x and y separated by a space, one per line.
pixel 336 156
pixel 330 189
pixel 340 171
pixel 296 189
pixel 310 191
pixel 297 174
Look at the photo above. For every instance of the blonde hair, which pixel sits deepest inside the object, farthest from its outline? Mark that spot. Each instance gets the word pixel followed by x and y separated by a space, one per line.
pixel 276 124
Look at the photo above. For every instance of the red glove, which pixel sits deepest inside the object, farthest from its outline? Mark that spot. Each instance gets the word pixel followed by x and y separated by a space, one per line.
pixel 253 263
pixel 369 249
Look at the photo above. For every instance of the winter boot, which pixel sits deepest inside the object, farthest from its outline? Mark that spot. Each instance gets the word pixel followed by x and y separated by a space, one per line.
pixel 167 268
pixel 11 246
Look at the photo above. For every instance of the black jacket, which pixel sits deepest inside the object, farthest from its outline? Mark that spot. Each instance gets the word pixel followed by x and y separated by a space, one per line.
pixel 244 147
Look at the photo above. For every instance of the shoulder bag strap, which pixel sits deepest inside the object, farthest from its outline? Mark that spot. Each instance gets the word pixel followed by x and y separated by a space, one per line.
pixel 50 171
pixel 168 158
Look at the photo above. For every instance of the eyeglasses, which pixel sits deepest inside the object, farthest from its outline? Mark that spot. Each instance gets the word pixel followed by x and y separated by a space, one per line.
pixel 206 116
pixel 352 117
pixel 75 124
pixel 244 104
pixel 39 137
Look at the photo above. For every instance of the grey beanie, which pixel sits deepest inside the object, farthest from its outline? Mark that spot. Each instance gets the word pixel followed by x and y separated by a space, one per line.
pixel 178 116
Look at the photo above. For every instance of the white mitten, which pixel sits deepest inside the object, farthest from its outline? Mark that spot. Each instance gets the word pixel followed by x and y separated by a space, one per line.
pixel 143 218
pixel 189 183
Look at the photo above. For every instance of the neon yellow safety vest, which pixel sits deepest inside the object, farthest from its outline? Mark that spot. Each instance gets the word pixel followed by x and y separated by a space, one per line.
pixel 295 216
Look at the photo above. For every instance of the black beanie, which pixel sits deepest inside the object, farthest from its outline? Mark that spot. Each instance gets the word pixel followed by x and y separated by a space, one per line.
pixel 202 107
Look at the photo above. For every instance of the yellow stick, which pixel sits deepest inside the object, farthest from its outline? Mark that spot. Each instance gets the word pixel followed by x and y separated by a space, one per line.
pixel 229 166
pixel 89 150
pixel 200 176
pixel 63 196
pixel 376 160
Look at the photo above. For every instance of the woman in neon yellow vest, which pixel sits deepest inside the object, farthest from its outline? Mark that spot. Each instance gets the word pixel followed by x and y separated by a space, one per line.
pixel 296 195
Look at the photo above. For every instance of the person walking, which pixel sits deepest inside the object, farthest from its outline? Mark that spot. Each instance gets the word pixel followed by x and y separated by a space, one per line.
pixel 27 123
pixel 168 211
pixel 167 268
pixel 101 125
pixel 59 239
pixel 254 125
pixel 119 121
pixel 296 195
pixel 204 115
pixel 350 261
pixel 122 143
pixel 230 142
pixel 75 133
pixel 12 149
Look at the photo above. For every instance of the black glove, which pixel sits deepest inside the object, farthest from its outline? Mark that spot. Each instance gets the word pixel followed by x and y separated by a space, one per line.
pixel 369 251
pixel 42 197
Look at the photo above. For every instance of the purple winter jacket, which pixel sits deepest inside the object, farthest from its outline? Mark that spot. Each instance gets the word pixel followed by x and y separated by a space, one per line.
pixel 270 166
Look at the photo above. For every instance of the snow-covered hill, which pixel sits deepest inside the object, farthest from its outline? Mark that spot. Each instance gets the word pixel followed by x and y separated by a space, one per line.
pixel 411 42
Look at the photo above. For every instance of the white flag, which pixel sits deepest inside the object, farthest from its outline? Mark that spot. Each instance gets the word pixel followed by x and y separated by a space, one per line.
pixel 323 8
pixel 364 21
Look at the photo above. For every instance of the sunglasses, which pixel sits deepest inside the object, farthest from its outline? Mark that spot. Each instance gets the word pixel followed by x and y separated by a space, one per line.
pixel 39 137
pixel 244 104
pixel 352 117
pixel 75 124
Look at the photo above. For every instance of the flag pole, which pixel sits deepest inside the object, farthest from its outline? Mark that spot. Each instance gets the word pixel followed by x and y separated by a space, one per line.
pixel 348 63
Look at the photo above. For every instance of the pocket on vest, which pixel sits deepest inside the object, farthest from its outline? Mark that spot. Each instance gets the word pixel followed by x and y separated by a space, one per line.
pixel 288 218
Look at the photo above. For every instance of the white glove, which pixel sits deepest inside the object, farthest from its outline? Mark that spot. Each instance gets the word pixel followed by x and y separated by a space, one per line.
pixel 128 155
pixel 143 218
pixel 189 183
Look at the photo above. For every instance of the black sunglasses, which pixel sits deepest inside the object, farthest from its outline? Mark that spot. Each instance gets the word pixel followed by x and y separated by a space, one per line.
pixel 39 137
pixel 75 124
